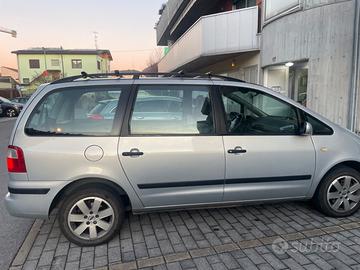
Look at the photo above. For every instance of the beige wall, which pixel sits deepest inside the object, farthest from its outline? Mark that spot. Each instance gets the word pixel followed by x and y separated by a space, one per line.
pixel 4 85
pixel 241 62
pixel 89 64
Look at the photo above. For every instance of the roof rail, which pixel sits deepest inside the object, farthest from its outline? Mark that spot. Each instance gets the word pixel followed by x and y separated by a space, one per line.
pixel 137 75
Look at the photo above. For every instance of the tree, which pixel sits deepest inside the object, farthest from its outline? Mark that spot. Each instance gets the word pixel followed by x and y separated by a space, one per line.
pixel 154 59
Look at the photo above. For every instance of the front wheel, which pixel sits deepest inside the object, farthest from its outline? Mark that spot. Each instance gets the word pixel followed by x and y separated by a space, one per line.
pixel 91 217
pixel 339 192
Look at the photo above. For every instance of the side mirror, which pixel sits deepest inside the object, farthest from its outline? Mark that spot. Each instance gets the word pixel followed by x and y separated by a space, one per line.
pixel 307 129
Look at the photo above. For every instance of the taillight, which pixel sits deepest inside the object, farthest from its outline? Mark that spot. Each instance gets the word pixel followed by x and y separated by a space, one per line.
pixel 15 160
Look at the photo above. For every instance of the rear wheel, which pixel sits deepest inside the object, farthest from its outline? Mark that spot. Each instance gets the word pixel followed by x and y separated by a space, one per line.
pixel 339 192
pixel 91 217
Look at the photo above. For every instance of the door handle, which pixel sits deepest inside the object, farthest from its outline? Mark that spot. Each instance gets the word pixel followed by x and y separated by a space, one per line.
pixel 133 153
pixel 237 150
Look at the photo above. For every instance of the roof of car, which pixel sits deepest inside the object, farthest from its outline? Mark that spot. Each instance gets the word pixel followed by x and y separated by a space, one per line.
pixel 144 75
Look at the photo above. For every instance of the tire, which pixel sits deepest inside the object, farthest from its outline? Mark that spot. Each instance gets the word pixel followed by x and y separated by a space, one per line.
pixel 86 226
pixel 334 198
pixel 10 112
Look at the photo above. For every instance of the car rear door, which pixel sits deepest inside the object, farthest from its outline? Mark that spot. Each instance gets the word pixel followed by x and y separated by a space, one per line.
pixel 169 149
pixel 266 158
pixel 61 139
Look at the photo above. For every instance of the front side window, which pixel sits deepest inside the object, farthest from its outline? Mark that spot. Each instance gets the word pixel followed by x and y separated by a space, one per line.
pixel 75 112
pixel 76 63
pixel 34 63
pixel 172 110
pixel 319 128
pixel 250 112
pixel 244 3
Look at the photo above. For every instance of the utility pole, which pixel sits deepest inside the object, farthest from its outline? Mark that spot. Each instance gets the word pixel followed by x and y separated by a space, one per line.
pixel 96 39
pixel 8 31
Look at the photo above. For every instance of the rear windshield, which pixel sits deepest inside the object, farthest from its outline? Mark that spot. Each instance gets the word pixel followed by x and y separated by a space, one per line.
pixel 75 112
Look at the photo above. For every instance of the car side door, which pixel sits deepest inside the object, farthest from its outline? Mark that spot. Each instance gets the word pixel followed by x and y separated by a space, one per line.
pixel 168 146
pixel 266 157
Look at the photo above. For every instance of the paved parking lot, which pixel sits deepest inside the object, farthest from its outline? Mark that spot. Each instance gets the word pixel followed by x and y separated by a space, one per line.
pixel 279 236
pixel 12 230
pixel 5 119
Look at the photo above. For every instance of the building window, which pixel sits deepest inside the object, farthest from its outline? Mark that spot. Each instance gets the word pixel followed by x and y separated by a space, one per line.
pixel 290 81
pixel 26 81
pixel 275 7
pixel 244 3
pixel 55 62
pixel 76 63
pixel 98 65
pixel 34 63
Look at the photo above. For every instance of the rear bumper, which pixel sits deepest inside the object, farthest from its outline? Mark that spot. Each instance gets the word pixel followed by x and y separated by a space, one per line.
pixel 31 198
pixel 31 206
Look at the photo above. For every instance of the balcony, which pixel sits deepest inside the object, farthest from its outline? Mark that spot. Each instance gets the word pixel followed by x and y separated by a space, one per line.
pixel 171 11
pixel 215 35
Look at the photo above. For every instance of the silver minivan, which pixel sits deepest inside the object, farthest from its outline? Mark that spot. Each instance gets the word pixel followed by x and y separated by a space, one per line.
pixel 95 146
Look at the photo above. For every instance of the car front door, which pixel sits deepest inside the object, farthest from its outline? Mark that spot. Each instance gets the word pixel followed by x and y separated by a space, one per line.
pixel 266 158
pixel 168 148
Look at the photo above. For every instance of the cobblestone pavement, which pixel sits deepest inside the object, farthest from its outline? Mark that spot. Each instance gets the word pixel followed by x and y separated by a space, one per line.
pixel 278 236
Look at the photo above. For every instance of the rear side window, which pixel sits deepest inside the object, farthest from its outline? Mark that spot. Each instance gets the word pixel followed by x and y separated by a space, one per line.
pixel 164 109
pixel 75 112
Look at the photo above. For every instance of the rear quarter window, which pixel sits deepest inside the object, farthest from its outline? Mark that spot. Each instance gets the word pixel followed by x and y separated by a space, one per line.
pixel 75 112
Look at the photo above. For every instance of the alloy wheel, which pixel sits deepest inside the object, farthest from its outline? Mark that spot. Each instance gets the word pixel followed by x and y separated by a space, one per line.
pixel 343 193
pixel 10 113
pixel 91 218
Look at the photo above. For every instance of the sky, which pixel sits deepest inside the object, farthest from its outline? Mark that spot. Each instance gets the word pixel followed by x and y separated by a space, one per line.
pixel 125 27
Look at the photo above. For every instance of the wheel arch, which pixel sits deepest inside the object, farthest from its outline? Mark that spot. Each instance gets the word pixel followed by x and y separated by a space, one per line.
pixel 91 182
pixel 351 163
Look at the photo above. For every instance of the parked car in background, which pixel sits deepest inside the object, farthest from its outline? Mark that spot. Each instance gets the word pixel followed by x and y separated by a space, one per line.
pixel 97 147
pixel 10 108
pixel 21 100
pixel 147 108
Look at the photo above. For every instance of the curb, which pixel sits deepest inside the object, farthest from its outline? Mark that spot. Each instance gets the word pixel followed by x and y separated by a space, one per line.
pixel 26 246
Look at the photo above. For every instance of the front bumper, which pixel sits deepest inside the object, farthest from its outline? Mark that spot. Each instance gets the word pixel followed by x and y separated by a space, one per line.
pixel 31 198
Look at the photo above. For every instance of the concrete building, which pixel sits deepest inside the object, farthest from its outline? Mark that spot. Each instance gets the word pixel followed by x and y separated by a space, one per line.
pixel 221 36
pixel 38 65
pixel 306 49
